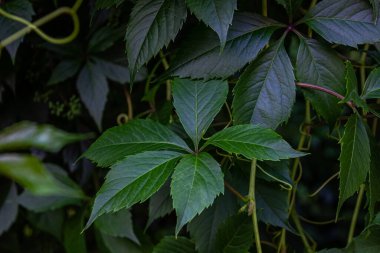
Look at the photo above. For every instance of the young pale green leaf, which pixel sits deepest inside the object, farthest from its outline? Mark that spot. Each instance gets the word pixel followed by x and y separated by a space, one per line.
pixel 171 244
pixel 374 179
pixel 235 235
pixel 136 136
pixel 152 25
pixel 317 64
pixel 117 224
pixel 64 70
pixel 160 204
pixel 200 55
pixel 346 22
pixel 25 135
pixel 132 180
pixel 354 158
pixel 8 209
pixel 372 85
pixel 203 228
pixel 216 14
pixel 266 91
pixel 197 180
pixel 253 141
pixel 73 240
pixel 197 103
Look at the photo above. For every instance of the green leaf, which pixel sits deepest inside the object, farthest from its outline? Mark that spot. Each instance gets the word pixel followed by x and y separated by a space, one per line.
pixel 317 64
pixel 8 210
pixel 25 135
pixel 136 136
pixel 253 141
pixel 104 38
pixel 374 179
pixel 276 172
pixel 346 22
pixel 51 222
pixel 290 6
pixel 132 180
pixel 152 25
pixel 30 173
pixel 352 88
pixel 354 158
pixel 160 204
pixel 117 224
pixel 171 244
pixel 197 103
pixel 200 55
pixel 110 244
pixel 73 240
pixel 114 72
pixel 203 228
pixel 196 181
pixel 372 85
pixel 106 4
pixel 375 9
pixel 20 8
pixel 265 92
pixel 235 235
pixel 64 70
pixel 367 242
pixel 216 14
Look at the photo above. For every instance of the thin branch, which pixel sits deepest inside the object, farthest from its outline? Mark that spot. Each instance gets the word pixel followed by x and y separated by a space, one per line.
pixel 234 191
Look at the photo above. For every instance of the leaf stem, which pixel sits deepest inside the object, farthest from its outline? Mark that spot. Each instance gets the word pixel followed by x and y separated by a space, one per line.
pixel 252 205
pixel 234 191
pixel 299 227
pixel 129 103
pixel 264 8
pixel 168 83
pixel 356 214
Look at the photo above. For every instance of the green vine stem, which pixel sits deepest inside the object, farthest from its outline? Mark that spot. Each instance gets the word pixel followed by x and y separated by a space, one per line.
pixel 252 205
pixel 356 214
pixel 168 83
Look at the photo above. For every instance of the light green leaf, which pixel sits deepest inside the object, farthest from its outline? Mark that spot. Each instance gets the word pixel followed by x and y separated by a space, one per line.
pixel 160 204
pixel 197 180
pixel 265 92
pixel 197 103
pixel 132 180
pixel 152 25
pixel 136 136
pixel 8 209
pixel 64 70
pixel 25 135
pixel 354 158
pixel 216 14
pixel 171 244
pixel 372 85
pixel 253 141
pixel 73 240
pixel 200 55
pixel 346 22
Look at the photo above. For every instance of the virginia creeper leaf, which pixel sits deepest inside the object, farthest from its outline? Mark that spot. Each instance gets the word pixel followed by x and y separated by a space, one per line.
pixel 374 179
pixel 354 158
pixel 152 25
pixel 104 38
pixel 253 141
pixel 316 64
pixel 8 209
pixel 290 5
pixel 64 70
pixel 372 85
pixel 265 92
pixel 346 22
pixel 197 180
pixel 136 136
pixel 73 240
pixel 174 245
pixel 352 88
pixel 200 55
pixel 197 103
pixel 160 204
pixel 44 221
pixel 132 180
pixel 216 14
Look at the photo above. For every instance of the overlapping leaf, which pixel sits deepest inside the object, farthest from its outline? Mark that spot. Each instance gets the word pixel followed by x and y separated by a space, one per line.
pixel 174 245
pixel 8 209
pixel 372 85
pixel 160 204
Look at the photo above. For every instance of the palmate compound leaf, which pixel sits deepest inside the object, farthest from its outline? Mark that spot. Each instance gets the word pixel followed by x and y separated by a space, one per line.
pixel 354 158
pixel 253 141
pixel 216 14
pixel 132 180
pixel 346 22
pixel 196 181
pixel 153 24
pixel 197 103
pixel 200 55
pixel 136 136
pixel 319 65
pixel 374 179
pixel 266 91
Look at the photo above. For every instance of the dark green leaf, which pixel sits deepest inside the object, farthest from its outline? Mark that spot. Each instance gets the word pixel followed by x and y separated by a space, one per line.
pixel 265 92
pixel 276 172
pixel 160 204
pixel 25 135
pixel 372 85
pixel 152 25
pixel 51 222
pixel 73 240
pixel 352 88
pixel 367 242
pixel 64 70
pixel 106 4
pixel 346 22
pixel 290 5
pixel 114 72
pixel 117 224
pixel 253 141
pixel 171 244
pixel 375 9
pixel 132 180
pixel 203 227
pixel 136 136
pixel 235 235
pixel 104 38
pixel 216 14
pixel 374 179
pixel 112 244
pixel 8 209
pixel 197 180
pixel 354 158
pixel 200 56
pixel 197 103
pixel 316 64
